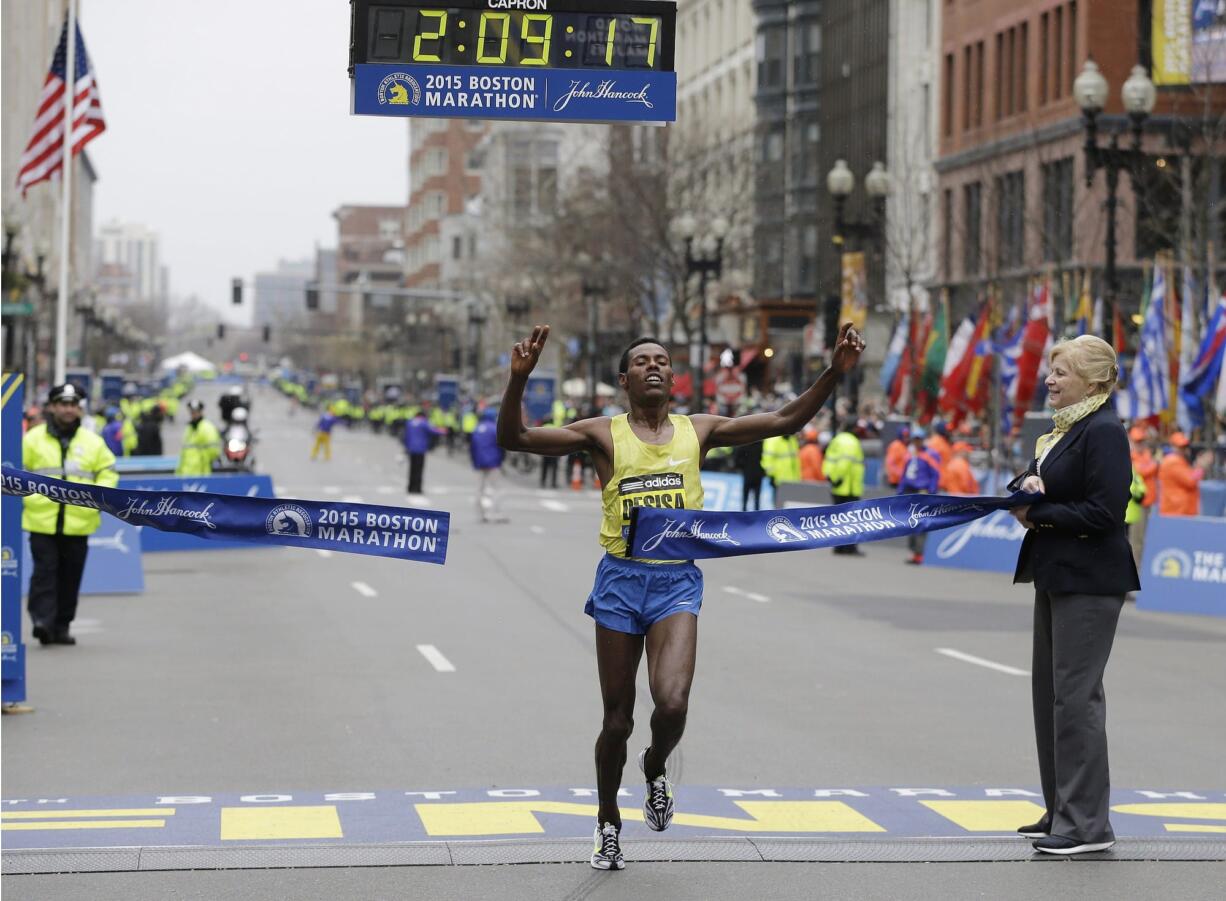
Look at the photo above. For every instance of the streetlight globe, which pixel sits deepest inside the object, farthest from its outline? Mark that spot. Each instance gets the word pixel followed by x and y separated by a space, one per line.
pixel 684 226
pixel 710 245
pixel 719 227
pixel 877 182
pixel 1090 88
pixel 839 180
pixel 1139 93
pixel 584 259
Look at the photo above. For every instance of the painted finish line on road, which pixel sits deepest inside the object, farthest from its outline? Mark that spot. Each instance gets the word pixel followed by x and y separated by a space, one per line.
pixel 227 820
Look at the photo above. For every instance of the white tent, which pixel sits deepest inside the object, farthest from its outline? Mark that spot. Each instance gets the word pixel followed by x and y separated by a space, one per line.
pixel 192 362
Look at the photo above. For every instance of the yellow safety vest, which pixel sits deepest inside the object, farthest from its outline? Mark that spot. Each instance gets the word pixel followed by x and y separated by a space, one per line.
pixel 88 461
pixel 843 465
pixel 781 458
pixel 201 446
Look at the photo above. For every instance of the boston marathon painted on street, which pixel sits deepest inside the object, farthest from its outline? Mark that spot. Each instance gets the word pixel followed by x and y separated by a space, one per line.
pixel 600 449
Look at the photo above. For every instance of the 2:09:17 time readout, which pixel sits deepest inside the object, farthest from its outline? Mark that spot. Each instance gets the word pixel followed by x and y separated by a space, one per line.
pixel 559 40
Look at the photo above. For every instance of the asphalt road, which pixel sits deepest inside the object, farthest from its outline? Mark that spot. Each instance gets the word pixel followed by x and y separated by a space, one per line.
pixel 294 673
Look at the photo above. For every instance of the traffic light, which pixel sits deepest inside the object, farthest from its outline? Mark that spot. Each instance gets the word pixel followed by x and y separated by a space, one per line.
pixel 221 331
pixel 267 333
pixel 236 291
pixel 312 296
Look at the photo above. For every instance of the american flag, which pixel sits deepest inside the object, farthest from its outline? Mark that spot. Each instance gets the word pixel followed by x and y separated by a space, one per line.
pixel 44 155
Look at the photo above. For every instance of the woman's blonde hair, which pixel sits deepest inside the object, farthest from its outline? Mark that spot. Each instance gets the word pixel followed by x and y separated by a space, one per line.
pixel 1092 358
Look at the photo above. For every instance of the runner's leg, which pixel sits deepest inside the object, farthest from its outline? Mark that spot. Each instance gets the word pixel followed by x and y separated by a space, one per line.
pixel 672 644
pixel 617 659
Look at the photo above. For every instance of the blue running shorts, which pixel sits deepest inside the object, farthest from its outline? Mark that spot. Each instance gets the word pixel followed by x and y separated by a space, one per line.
pixel 629 596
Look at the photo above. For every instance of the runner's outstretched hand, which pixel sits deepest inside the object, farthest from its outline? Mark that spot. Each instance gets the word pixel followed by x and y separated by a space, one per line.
pixel 847 350
pixel 525 353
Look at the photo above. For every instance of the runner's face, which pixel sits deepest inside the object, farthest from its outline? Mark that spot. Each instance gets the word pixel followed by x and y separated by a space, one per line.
pixel 649 376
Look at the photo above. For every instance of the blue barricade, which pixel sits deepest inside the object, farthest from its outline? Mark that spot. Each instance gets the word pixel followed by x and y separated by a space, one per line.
pixel 1184 567
pixel 114 563
pixel 150 464
pixel 990 544
pixel 153 540
pixel 722 491
pixel 1212 498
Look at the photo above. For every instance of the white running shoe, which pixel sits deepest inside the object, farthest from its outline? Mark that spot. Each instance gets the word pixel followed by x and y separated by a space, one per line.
pixel 606 848
pixel 658 804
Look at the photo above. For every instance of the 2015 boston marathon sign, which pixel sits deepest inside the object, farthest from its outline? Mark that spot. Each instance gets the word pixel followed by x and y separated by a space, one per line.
pixel 530 60
pixel 659 534
pixel 402 533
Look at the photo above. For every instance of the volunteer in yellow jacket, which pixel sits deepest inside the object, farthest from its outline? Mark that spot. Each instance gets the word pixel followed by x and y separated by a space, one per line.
pixel 201 443
pixel 844 467
pixel 647 457
pixel 59 533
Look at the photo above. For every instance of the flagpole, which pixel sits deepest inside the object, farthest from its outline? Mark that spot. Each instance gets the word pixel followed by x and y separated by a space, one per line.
pixel 61 305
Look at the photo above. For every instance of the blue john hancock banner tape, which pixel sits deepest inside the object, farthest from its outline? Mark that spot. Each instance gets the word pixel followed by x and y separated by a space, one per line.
pixel 659 534
pixel 405 534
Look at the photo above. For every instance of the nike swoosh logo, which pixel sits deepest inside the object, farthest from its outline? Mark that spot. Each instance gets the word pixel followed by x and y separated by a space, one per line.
pixel 672 462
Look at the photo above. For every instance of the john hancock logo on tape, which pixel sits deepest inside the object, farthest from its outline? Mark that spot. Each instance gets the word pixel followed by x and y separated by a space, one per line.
pixel 399 89
pixel 289 519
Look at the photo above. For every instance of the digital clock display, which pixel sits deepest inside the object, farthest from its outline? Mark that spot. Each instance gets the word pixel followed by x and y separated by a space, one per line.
pixel 610 35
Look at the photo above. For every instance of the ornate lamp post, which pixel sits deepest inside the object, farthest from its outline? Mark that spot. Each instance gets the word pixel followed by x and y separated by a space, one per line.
pixel 1138 94
pixel 840 182
pixel 704 257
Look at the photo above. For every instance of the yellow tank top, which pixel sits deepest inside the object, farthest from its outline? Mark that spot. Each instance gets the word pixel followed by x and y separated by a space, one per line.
pixel 648 475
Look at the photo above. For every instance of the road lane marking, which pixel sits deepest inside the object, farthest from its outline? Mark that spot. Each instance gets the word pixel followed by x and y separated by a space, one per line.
pixel 51 813
pixel 323 553
pixel 31 826
pixel 555 506
pixel 436 658
pixel 264 823
pixel 752 595
pixel 979 661
pixel 363 589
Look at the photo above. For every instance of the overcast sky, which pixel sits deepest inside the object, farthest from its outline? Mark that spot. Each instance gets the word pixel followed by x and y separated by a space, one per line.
pixel 228 132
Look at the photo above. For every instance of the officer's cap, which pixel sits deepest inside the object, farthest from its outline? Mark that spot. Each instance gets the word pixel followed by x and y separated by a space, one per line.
pixel 66 393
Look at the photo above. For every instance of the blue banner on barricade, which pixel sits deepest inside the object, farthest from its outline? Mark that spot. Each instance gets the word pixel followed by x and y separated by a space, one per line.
pixel 153 541
pixel 124 465
pixel 722 491
pixel 1183 569
pixel 113 565
pixel 401 533
pixel 990 544
pixel 12 648
pixel 657 534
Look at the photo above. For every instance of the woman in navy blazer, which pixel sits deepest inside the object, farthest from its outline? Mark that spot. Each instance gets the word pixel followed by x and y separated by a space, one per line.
pixel 1076 553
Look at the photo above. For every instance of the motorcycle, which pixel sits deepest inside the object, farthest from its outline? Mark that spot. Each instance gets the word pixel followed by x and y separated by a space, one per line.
pixel 238 443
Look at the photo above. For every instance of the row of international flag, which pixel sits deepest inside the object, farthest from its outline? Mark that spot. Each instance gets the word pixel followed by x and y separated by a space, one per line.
pixel 1172 378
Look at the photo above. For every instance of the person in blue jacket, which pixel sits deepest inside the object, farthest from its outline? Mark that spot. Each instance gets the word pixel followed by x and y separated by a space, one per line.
pixel 487 459
pixel 921 475
pixel 418 434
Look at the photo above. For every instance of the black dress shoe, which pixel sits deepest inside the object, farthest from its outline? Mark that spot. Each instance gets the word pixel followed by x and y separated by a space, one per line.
pixel 1058 844
pixel 62 638
pixel 43 634
pixel 1036 830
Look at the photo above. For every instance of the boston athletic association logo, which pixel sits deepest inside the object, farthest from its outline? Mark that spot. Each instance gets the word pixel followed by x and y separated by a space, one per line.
pixel 289 520
pixel 399 89
pixel 1171 563
pixel 781 529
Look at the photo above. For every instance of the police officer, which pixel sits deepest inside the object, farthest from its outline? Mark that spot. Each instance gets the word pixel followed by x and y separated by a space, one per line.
pixel 59 533
pixel 201 443
pixel 844 467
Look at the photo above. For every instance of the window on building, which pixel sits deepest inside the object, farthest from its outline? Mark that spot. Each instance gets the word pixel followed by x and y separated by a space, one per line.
pixel 1001 76
pixel 967 58
pixel 1057 34
pixel 1071 68
pixel 1044 29
pixel 979 71
pixel 771 49
pixel 1010 219
pixel 457 247
pixel 521 191
pixel 1009 76
pixel 1023 68
pixel 947 100
pixel 547 189
pixel 1158 217
pixel 1058 210
pixel 389 229
pixel 972 221
pixel 808 54
pixel 947 233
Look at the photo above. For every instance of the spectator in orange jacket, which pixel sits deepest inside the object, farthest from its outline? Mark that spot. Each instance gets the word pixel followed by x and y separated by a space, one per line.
pixel 956 475
pixel 1179 479
pixel 938 443
pixel 810 457
pixel 896 456
pixel 1144 463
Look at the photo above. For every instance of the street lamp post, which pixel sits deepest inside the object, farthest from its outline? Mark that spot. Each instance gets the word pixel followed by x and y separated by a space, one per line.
pixel 704 257
pixel 594 287
pixel 840 182
pixel 1138 93
pixel 476 319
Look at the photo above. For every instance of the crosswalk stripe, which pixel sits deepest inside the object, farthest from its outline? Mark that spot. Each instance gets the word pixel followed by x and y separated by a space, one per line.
pixel 363 589
pixel 436 658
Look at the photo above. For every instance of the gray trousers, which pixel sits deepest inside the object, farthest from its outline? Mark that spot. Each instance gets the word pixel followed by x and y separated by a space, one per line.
pixel 1073 634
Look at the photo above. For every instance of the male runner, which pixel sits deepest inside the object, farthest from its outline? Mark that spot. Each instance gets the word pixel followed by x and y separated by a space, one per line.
pixel 647 457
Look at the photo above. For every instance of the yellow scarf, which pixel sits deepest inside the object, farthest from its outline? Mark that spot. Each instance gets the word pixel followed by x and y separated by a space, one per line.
pixel 1065 418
